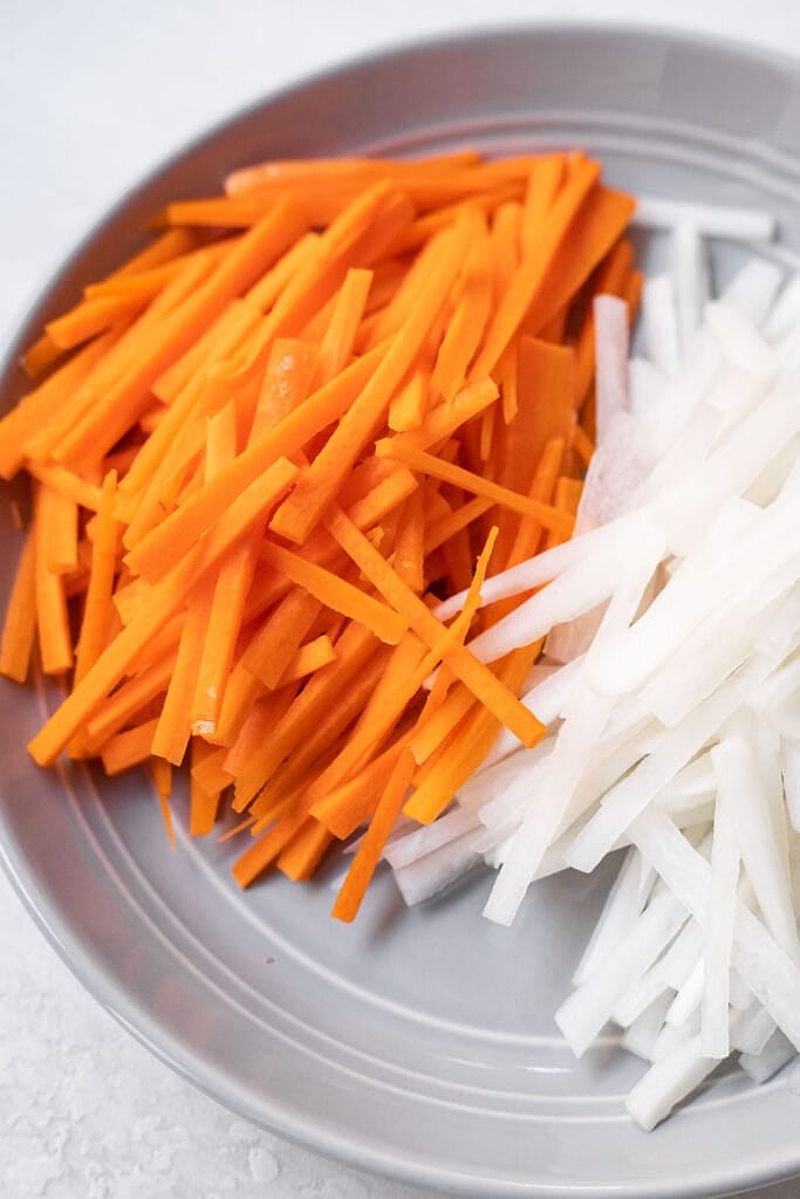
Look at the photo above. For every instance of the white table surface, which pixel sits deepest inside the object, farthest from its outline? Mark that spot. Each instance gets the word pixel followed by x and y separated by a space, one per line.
pixel 93 93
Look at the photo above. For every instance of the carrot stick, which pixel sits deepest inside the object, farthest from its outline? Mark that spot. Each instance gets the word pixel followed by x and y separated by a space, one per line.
pixel 480 680
pixel 169 245
pixel 62 533
pixel 321 480
pixel 465 329
pixel 129 700
pixel 347 806
pixel 55 643
pixel 39 357
pixel 529 278
pixel 128 749
pixel 409 546
pixel 161 774
pixel 117 410
pixel 338 343
pixel 305 851
pixel 19 626
pixel 203 801
pixel 98 608
pixel 407 409
pixel 174 724
pixel 426 463
pixel 169 597
pixel 337 594
pixel 309 658
pixel 167 544
pixel 348 901
pixel 281 636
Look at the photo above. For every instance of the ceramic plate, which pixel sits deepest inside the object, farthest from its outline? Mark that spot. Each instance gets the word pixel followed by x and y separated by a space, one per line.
pixel 418 1044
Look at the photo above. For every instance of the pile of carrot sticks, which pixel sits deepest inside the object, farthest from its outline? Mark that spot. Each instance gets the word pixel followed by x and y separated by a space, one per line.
pixel 261 452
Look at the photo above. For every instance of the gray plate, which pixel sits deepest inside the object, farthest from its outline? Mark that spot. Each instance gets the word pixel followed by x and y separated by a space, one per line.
pixel 416 1044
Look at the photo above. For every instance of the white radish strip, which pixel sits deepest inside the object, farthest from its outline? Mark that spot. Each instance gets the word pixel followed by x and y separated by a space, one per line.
pixel 435 872
pixel 667 1082
pixel 719 932
pixel 563 769
pixel 734 466
pixel 507 789
pixel 611 354
pixel 755 1030
pixel 687 1002
pixel 735 394
pixel 790 769
pixel 646 388
pixel 780 686
pixel 733 224
pixel 785 315
pixel 547 700
pixel 767 970
pixel 743 786
pixel 693 782
pixel 672 1036
pixel 690 273
pixel 739 339
pixel 620 911
pixel 741 995
pixel 660 323
pixel 643 1034
pixel 768 755
pixel 544 567
pixel 678 746
pixel 408 848
pixel 777 1053
pixel 591 1005
pixel 668 973
pixel 753 290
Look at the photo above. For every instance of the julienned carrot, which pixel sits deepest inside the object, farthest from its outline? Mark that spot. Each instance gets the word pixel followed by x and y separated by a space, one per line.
pixel 124 750
pixel 337 594
pixel 19 627
pixel 98 608
pixel 315 421
pixel 161 774
pixel 55 642
pixel 348 901
pixel 423 462
pixel 309 658
pixel 321 480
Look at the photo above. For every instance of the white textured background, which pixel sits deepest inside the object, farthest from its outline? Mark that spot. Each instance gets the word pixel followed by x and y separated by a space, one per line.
pixel 93 93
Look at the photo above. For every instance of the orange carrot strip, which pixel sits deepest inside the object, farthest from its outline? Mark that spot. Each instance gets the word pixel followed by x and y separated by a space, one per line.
pixel 281 636
pixel 439 531
pixel 98 608
pixel 91 317
pixel 62 533
pixel 545 370
pixel 261 718
pixel 67 484
pixel 348 901
pixel 321 480
pixel 128 749
pixel 337 594
pixel 208 766
pixel 161 774
pixel 169 245
pixel 409 545
pixel 309 658
pixel 531 274
pixel 430 735
pixel 339 340
pixel 165 545
pixel 203 801
pixel 287 380
pixel 347 806
pixel 468 748
pixel 174 723
pixel 129 700
pixel 121 406
pixel 305 851
pixel 38 406
pixel 169 596
pixel 55 643
pixel 255 860
pixel 567 497
pixel 19 626
pixel 544 182
pixel 40 356
pixel 465 329
pixel 442 421
pixel 281 173
pixel 476 675
pixel 423 462
pixel 355 646
pixel 582 444
pixel 407 409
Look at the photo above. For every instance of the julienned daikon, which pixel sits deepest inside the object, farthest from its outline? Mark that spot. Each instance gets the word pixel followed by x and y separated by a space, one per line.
pixel 670 683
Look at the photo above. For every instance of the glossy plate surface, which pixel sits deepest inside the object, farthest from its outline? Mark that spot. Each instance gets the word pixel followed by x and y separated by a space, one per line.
pixel 420 1043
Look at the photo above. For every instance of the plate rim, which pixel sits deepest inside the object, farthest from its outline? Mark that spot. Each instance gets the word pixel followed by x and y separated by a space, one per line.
pixel 121 1002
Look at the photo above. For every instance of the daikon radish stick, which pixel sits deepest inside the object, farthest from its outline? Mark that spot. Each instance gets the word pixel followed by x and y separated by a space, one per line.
pixel 736 224
pixel 660 323
pixel 623 906
pixel 722 907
